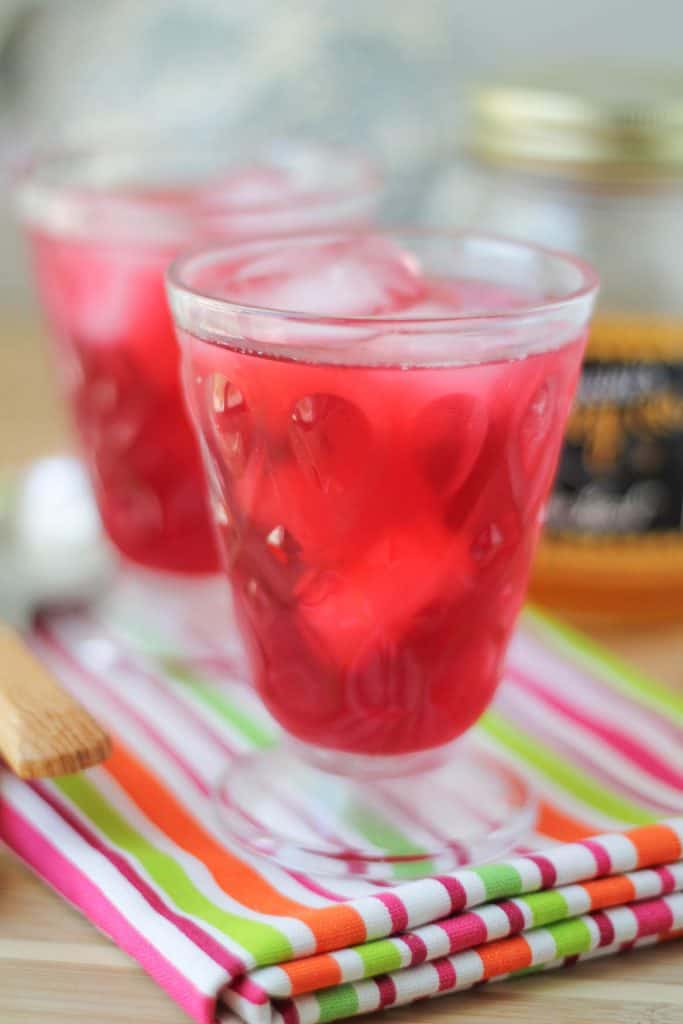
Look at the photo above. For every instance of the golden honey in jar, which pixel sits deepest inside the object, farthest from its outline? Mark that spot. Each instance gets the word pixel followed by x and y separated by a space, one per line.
pixel 590 160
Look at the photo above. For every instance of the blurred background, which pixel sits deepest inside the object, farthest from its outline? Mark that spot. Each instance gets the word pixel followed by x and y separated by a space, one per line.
pixel 386 75
pixel 389 77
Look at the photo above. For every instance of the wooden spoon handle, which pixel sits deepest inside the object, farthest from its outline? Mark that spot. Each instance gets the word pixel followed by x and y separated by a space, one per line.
pixel 43 731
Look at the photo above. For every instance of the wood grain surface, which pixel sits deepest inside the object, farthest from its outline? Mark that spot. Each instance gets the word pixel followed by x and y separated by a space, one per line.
pixel 55 968
pixel 44 732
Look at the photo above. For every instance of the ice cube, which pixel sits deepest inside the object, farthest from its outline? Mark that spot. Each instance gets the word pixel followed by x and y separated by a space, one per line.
pixel 360 276
pixel 453 302
pixel 379 591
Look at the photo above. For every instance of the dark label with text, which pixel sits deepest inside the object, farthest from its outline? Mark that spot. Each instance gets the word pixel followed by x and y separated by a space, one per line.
pixel 621 470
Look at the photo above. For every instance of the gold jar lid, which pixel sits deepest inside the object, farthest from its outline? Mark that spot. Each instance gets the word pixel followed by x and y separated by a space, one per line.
pixel 593 121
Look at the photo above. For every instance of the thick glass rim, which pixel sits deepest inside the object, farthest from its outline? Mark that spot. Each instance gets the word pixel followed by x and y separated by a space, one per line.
pixel 55 189
pixel 179 270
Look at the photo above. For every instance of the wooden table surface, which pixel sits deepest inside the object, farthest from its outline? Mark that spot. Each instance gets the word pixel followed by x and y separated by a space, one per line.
pixel 55 967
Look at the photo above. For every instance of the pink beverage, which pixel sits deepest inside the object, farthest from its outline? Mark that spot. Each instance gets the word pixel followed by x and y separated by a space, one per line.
pixel 379 458
pixel 102 229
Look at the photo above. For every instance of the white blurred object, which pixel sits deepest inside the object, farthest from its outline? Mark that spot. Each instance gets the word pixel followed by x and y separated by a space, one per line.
pixel 52 550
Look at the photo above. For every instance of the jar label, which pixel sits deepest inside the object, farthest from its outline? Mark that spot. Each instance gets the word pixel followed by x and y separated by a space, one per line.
pixel 621 470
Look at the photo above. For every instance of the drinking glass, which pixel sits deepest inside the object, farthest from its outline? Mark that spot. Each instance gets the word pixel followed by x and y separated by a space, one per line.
pixel 102 227
pixel 380 416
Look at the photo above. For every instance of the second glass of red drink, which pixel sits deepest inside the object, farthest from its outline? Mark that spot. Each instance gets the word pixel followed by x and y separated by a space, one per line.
pixel 102 227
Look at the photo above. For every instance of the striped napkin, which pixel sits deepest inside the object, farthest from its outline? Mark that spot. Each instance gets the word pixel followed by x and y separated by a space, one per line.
pixel 135 846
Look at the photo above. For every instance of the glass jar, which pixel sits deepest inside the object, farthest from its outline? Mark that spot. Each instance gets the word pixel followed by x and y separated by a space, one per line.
pixel 594 165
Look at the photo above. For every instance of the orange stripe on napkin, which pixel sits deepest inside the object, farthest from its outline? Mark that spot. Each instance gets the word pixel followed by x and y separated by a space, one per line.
pixel 312 973
pixel 557 824
pixel 610 892
pixel 505 955
pixel 233 875
pixel 656 844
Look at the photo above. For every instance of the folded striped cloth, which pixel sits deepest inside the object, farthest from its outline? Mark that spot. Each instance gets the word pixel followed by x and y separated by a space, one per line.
pixel 135 846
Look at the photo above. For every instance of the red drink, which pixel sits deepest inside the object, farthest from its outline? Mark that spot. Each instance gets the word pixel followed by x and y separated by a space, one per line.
pixel 99 257
pixel 119 366
pixel 378 506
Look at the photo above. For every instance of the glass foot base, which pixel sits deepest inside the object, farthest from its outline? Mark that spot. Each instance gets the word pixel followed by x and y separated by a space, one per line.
pixel 469 808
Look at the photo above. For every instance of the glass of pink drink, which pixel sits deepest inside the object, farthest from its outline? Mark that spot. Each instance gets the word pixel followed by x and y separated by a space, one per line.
pixel 102 228
pixel 380 416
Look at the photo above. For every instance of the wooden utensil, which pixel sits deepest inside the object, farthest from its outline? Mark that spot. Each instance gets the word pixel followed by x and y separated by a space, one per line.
pixel 43 731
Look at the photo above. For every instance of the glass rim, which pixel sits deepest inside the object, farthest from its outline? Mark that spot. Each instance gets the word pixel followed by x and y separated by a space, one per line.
pixel 178 285
pixel 41 185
